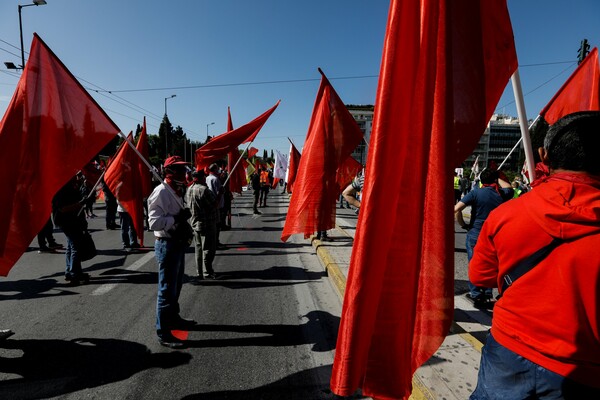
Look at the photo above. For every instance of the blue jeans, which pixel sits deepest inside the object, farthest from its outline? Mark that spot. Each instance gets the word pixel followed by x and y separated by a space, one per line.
pixel 170 257
pixel 470 242
pixel 128 235
pixel 73 262
pixel 505 375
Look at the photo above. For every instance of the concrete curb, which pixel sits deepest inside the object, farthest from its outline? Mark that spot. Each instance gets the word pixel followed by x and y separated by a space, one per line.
pixel 333 270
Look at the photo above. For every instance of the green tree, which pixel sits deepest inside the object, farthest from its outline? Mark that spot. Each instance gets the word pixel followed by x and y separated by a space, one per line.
pixel 165 132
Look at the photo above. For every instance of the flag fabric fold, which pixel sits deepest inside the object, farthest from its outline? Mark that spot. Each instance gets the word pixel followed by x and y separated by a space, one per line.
pixel 445 64
pixel 581 92
pixel 218 147
pixel 294 162
pixel 332 135
pixel 144 173
pixel 51 129
pixel 237 176
pixel 346 172
pixel 123 179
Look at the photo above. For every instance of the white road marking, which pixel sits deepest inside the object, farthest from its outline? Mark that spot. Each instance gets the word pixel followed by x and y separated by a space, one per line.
pixel 107 287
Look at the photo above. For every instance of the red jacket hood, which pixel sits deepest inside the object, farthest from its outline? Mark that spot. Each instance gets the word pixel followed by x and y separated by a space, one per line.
pixel 571 199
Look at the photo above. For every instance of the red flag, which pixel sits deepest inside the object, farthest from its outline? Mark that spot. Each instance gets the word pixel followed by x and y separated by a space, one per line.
pixel 51 129
pixel 445 64
pixel 346 172
pixel 123 179
pixel 145 174
pixel 92 173
pixel 294 162
pixel 332 135
pixel 581 92
pixel 252 151
pixel 219 146
pixel 237 177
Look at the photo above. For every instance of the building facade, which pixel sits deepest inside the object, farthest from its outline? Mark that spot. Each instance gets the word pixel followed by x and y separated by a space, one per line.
pixel 363 115
pixel 498 139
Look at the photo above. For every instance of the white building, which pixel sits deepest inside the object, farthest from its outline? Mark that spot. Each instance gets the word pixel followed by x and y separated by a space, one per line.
pixel 363 115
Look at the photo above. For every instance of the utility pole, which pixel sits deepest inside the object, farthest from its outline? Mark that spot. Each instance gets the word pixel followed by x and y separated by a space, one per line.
pixel 583 51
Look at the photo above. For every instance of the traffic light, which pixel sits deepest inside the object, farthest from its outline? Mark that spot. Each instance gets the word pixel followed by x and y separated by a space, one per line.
pixel 583 51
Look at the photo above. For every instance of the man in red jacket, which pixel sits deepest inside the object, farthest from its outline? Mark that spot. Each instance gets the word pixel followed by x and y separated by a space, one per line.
pixel 545 336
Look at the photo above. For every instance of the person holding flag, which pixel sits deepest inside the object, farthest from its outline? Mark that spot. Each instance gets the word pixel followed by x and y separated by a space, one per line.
pixel 168 219
pixel 67 207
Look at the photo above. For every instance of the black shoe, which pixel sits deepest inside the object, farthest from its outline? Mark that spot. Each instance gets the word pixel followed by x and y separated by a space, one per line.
pixel 256 212
pixel 170 341
pixel 211 276
pixel 5 334
pixel 45 250
pixel 480 301
pixel 182 323
pixel 55 245
pixel 78 279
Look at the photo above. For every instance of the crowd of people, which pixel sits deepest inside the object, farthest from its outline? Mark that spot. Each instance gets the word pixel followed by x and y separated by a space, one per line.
pixel 545 335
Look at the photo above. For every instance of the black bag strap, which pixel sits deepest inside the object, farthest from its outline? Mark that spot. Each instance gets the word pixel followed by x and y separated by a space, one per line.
pixel 527 264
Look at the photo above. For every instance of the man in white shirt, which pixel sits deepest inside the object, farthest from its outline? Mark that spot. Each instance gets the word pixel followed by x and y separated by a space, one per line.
pixel 167 217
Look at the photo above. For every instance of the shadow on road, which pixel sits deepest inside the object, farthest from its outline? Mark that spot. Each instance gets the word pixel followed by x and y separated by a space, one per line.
pixel 32 289
pixel 56 367
pixel 275 273
pixel 309 384
pixel 320 330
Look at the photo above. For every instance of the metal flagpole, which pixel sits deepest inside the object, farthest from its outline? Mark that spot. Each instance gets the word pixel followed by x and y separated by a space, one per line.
pixel 236 164
pixel 518 92
pixel 520 139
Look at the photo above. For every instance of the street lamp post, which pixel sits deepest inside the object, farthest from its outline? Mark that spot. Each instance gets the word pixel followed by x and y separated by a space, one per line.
pixel 166 130
pixel 11 65
pixel 207 125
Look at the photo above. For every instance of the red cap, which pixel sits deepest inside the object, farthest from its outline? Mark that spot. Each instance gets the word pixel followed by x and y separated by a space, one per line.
pixel 174 160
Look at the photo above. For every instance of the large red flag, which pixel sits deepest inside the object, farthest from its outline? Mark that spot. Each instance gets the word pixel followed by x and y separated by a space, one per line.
pixel 123 179
pixel 51 129
pixel 332 135
pixel 145 174
pixel 346 172
pixel 445 65
pixel 581 92
pixel 219 146
pixel 237 177
pixel 294 162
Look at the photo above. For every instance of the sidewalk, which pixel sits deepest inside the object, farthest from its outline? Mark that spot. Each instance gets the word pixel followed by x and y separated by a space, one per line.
pixel 451 373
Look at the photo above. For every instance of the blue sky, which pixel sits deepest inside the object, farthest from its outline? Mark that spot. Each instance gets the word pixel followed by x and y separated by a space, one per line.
pixel 218 53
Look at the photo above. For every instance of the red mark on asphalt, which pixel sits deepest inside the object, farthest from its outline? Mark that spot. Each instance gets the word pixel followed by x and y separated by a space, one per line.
pixel 242 248
pixel 181 335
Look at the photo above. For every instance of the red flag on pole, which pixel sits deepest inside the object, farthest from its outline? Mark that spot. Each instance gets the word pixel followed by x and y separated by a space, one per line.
pixel 294 162
pixel 145 174
pixel 581 92
pixel 445 65
pixel 51 129
pixel 332 135
pixel 123 179
pixel 237 177
pixel 252 151
pixel 219 146
pixel 346 172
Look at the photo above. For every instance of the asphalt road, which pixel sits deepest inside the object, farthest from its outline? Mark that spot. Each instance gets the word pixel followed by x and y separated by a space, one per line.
pixel 266 329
